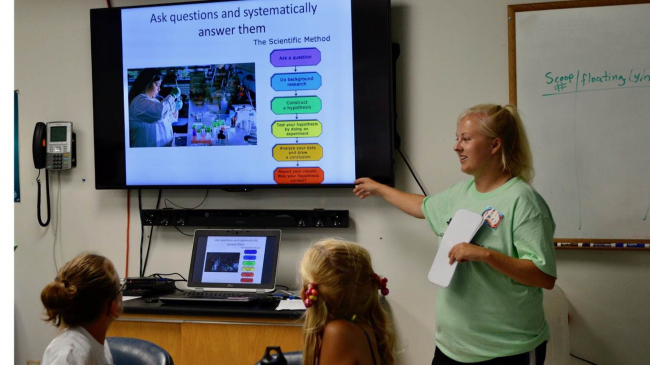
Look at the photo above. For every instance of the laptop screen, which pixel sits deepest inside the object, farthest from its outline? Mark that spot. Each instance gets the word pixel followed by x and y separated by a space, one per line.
pixel 234 259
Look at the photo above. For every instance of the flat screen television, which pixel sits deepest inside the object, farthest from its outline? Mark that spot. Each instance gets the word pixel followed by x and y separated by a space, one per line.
pixel 242 94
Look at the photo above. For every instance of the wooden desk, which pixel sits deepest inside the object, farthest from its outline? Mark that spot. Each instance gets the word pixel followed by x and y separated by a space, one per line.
pixel 220 337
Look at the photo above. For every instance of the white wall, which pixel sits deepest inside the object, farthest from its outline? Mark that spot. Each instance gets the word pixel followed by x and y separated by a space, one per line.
pixel 454 55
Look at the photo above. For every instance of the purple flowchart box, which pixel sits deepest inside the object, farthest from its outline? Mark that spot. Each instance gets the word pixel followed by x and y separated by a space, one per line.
pixel 295 57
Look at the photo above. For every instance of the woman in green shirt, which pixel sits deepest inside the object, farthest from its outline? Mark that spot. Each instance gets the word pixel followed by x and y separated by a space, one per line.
pixel 492 312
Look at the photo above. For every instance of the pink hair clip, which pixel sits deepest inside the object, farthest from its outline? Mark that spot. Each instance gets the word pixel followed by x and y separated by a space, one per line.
pixel 311 295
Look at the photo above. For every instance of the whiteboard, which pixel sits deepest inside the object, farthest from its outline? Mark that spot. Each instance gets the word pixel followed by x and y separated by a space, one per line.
pixel 583 87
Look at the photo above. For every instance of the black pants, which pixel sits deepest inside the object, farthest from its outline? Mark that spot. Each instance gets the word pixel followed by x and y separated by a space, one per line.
pixel 522 359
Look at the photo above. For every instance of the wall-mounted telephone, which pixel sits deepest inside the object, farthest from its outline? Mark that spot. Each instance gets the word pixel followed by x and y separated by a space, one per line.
pixel 53 148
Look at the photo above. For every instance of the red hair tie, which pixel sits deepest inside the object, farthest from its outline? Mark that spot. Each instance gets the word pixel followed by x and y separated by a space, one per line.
pixel 311 295
pixel 381 282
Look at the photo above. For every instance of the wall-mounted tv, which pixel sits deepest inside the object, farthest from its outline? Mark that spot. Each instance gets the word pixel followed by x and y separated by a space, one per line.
pixel 242 94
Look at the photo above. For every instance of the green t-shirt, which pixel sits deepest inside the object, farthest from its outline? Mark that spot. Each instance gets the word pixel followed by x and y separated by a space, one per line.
pixel 484 314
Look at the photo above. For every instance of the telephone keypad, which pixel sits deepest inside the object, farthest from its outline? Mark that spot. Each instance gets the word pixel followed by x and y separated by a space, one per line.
pixel 58 161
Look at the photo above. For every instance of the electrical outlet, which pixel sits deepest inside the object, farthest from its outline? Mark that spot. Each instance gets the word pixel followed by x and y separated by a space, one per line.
pixel 33 362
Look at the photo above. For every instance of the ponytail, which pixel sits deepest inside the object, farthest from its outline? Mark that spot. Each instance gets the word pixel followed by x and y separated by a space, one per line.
pixel 57 296
pixel 81 291
pixel 504 122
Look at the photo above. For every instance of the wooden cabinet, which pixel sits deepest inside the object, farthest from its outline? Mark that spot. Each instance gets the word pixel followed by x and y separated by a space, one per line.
pixel 211 339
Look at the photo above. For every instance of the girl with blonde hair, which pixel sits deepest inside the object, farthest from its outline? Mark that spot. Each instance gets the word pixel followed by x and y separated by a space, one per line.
pixel 344 321
pixel 84 299
pixel 491 313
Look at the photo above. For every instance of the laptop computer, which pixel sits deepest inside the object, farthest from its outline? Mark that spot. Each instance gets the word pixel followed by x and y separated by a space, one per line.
pixel 231 265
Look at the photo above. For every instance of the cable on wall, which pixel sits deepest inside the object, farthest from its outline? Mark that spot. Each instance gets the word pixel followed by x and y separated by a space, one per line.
pixel 183 233
pixel 143 268
pixel 207 191
pixel 412 172
pixel 128 230
pixel 178 206
pixel 141 228
pixel 187 234
pixel 57 225
pixel 579 358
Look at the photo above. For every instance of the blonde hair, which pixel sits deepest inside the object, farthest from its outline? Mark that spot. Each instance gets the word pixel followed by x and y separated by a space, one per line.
pixel 343 274
pixel 504 122
pixel 83 288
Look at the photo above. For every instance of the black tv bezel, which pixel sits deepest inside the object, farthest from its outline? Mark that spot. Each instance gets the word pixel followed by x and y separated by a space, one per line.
pixel 373 99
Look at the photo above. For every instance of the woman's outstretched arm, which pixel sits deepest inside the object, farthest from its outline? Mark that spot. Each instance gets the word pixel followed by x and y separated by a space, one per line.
pixel 408 203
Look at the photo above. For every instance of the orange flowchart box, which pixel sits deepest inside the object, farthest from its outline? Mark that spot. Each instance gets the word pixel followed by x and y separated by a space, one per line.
pixel 299 175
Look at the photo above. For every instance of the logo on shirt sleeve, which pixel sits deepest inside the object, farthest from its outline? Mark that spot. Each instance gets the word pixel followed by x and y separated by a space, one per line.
pixel 492 217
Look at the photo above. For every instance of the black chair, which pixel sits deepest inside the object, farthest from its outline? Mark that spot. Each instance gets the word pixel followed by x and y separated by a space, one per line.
pixel 134 351
pixel 292 358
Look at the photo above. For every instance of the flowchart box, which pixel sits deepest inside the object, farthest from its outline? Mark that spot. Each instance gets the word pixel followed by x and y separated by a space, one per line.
pixel 299 175
pixel 297 128
pixel 298 152
pixel 296 105
pixel 295 57
pixel 296 81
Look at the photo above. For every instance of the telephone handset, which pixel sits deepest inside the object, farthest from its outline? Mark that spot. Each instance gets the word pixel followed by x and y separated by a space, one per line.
pixel 53 148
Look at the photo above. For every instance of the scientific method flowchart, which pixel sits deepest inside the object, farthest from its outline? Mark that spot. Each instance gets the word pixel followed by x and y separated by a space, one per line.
pixel 296 105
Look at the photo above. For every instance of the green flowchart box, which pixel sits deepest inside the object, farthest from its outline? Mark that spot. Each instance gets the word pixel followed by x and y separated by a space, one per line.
pixel 296 105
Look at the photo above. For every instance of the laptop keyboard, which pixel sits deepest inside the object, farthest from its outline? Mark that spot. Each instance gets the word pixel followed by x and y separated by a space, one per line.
pixel 221 294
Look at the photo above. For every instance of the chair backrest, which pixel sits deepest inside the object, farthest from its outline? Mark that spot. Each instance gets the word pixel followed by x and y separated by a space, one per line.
pixel 556 311
pixel 292 358
pixel 134 351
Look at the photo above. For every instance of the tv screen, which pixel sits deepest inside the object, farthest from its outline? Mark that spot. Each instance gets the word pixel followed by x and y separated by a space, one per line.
pixel 242 94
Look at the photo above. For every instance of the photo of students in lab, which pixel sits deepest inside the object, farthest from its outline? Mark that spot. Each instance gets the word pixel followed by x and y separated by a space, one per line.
pixel 151 116
pixel 222 262
pixel 193 105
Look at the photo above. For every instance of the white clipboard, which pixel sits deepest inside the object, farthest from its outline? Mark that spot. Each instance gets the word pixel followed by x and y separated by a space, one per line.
pixel 462 228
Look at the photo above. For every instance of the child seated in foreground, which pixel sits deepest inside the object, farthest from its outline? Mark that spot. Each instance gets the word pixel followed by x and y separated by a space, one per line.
pixel 84 299
pixel 344 321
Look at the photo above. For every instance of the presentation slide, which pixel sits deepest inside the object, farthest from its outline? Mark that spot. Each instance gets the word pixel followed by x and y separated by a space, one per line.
pixel 234 260
pixel 266 94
